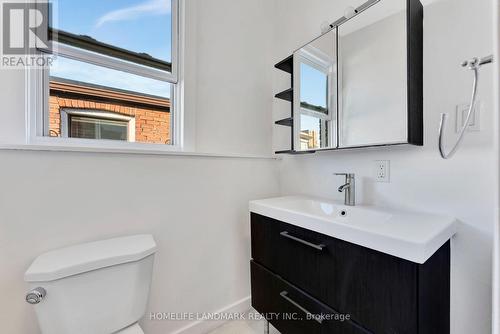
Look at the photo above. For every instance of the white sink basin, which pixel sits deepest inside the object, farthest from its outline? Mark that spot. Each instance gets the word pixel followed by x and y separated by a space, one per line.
pixel 407 235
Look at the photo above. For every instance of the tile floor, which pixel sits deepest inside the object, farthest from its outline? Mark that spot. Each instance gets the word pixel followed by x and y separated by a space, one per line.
pixel 244 327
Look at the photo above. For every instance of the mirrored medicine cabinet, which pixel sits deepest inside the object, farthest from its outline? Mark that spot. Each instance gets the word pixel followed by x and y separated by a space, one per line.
pixel 359 84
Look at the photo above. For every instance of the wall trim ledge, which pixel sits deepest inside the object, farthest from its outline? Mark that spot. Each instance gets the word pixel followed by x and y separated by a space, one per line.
pixel 202 327
pixel 158 152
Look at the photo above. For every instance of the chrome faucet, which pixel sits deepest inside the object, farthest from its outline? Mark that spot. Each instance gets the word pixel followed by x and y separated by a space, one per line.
pixel 349 188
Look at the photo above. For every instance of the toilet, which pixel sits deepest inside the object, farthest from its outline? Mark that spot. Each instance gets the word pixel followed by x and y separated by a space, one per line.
pixel 93 288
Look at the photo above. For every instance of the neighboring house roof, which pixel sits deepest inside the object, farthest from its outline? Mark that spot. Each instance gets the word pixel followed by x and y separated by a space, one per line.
pixel 91 44
pixel 76 89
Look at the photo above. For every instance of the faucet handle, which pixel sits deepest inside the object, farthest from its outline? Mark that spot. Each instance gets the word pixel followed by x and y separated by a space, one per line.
pixel 344 174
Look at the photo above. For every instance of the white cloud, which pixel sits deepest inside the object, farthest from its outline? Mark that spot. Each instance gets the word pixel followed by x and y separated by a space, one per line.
pixel 152 7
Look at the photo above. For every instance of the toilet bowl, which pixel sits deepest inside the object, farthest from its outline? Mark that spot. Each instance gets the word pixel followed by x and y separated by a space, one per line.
pixel 99 287
pixel 134 329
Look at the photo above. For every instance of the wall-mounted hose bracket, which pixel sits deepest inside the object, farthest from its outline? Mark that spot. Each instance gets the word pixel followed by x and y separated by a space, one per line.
pixel 473 65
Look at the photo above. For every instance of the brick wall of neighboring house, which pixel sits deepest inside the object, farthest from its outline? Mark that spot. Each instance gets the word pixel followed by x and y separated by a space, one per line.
pixel 152 121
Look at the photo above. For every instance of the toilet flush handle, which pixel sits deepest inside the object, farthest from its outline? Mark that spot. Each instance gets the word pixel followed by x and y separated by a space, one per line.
pixel 36 295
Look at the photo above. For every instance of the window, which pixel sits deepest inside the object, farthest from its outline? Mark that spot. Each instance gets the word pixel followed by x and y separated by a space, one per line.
pixel 114 74
pixel 314 89
pixel 97 128
pixel 91 124
pixel 314 118
pixel 316 105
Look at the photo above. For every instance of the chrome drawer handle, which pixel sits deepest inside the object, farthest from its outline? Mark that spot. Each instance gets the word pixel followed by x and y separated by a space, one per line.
pixel 307 243
pixel 284 295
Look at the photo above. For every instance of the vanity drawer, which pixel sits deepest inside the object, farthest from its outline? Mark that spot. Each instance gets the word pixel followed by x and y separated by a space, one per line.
pixel 291 310
pixel 296 254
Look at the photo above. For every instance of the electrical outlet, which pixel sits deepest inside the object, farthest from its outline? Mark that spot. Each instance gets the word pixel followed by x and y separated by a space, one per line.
pixel 382 171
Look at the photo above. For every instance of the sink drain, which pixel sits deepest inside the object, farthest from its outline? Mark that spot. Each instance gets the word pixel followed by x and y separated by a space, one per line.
pixel 343 213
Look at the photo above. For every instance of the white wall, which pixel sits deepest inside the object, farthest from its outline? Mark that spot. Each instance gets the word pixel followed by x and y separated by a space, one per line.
pixel 464 187
pixel 195 207
pixel 234 76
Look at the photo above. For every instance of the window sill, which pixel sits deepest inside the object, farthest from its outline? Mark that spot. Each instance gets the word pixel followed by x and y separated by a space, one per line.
pixel 89 146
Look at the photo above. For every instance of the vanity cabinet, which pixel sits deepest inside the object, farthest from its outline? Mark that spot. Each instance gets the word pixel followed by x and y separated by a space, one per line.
pixel 297 271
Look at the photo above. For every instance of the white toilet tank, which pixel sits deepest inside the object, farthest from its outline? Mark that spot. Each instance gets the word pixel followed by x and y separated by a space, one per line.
pixel 94 288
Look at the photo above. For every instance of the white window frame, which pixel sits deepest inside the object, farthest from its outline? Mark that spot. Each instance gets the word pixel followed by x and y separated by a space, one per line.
pixel 67 112
pixel 37 94
pixel 322 62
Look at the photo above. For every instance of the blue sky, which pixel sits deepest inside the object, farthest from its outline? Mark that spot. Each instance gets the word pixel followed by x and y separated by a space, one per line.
pixel 313 86
pixel 136 25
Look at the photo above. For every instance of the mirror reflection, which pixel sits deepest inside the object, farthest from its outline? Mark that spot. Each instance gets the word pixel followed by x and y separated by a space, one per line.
pixel 315 97
pixel 372 76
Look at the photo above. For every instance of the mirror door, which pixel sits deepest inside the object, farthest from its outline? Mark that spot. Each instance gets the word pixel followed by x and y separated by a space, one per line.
pixel 372 61
pixel 315 94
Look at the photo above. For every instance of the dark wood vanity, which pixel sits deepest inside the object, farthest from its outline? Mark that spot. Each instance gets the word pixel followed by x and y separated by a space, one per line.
pixel 307 282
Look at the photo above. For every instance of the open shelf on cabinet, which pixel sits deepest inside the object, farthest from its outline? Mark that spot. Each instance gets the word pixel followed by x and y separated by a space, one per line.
pixel 285 122
pixel 286 65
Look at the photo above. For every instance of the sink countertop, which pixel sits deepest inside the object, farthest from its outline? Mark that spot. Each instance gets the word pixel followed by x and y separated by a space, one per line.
pixel 412 236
